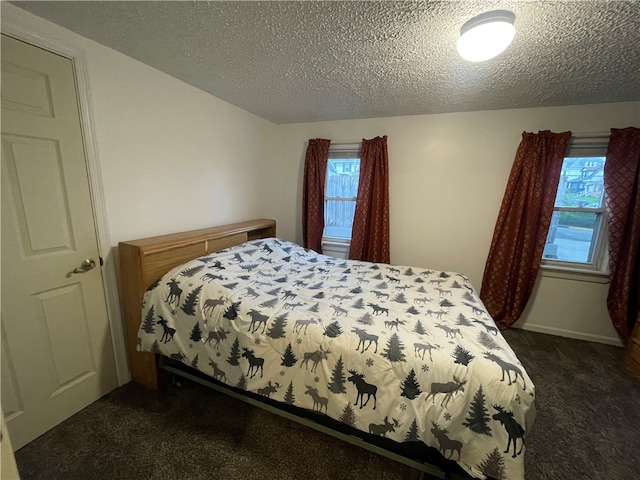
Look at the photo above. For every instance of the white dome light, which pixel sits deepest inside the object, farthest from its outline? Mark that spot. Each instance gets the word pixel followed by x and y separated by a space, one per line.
pixel 487 35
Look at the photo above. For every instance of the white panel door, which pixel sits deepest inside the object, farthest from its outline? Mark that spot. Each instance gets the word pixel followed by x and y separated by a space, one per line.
pixel 57 355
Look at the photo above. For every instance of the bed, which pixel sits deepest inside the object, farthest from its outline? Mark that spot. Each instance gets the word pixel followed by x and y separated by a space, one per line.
pixel 402 354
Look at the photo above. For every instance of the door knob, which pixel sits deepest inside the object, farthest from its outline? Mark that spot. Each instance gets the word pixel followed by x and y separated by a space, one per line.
pixel 85 266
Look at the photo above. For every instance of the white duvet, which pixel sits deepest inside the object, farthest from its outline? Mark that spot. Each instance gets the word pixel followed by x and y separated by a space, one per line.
pixel 402 352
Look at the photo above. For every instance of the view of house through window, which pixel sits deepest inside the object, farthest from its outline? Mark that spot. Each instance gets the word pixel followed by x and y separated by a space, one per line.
pixel 577 225
pixel 341 190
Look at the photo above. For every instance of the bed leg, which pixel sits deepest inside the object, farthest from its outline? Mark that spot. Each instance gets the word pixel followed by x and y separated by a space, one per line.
pixel 174 381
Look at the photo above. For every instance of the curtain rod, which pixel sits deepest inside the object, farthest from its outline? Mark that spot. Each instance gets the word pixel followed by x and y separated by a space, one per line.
pixel 591 135
pixel 573 135
pixel 345 147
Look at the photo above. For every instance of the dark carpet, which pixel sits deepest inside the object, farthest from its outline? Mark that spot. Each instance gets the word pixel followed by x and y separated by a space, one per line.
pixel 587 427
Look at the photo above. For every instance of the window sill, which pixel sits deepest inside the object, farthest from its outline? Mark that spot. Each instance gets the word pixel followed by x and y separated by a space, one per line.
pixel 338 242
pixel 575 274
pixel 335 247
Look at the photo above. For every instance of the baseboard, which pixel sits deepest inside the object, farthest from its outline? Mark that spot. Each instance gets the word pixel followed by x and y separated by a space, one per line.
pixel 561 332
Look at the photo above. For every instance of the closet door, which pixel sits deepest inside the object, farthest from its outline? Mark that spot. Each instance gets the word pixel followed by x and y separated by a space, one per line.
pixel 57 355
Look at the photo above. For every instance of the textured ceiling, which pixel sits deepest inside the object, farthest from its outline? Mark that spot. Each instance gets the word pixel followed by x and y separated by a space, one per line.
pixel 307 61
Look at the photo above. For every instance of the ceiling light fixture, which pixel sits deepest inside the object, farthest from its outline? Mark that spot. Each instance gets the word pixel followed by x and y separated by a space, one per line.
pixel 487 35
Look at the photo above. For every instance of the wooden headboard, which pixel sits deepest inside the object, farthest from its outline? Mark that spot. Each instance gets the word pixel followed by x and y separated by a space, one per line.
pixel 144 261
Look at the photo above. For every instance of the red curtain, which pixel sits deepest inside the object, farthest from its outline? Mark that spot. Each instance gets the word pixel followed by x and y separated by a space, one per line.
pixel 370 235
pixel 315 172
pixel 522 226
pixel 622 203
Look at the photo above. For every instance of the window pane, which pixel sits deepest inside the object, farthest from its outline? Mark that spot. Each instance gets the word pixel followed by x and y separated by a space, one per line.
pixel 342 177
pixel 572 236
pixel 581 182
pixel 338 218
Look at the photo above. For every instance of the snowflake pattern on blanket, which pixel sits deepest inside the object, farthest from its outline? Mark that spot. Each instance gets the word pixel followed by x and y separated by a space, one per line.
pixel 402 352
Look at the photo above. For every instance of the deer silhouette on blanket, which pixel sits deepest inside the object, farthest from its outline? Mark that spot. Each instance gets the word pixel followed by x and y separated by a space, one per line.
pixel 217 265
pixel 513 428
pixel 422 348
pixel 257 319
pixel 252 293
pixel 217 335
pixel 449 332
pixel 363 388
pixel 491 329
pixel 420 301
pixel 449 389
pixel 178 356
pixel 378 310
pixel 338 311
pixel 507 368
pixel 168 332
pixel 289 295
pixel 474 309
pixel 217 373
pixel 315 358
pixel 380 294
pixel 365 337
pixel 340 298
pixel 303 324
pixel 317 399
pixel 268 389
pixel 174 292
pixel 446 444
pixel 255 363
pixel 292 306
pixel 384 428
pixel 211 303
pixel 393 323
pixel 210 277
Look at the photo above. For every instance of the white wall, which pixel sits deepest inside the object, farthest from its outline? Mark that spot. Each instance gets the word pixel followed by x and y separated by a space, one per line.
pixel 448 175
pixel 172 157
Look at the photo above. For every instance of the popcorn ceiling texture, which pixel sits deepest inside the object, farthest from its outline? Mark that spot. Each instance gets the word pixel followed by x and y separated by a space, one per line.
pixel 292 62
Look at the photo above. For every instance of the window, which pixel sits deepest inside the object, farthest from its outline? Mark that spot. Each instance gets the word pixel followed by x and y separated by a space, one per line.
pixel 576 238
pixel 341 190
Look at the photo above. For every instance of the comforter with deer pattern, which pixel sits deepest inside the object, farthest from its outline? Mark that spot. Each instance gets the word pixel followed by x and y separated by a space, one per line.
pixel 402 352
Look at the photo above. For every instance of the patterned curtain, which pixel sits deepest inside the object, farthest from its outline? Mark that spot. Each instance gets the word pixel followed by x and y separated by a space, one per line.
pixel 315 172
pixel 622 203
pixel 522 226
pixel 370 235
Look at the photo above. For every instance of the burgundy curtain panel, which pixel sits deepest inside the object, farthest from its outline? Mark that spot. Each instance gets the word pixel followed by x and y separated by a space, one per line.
pixel 522 226
pixel 622 203
pixel 370 235
pixel 315 171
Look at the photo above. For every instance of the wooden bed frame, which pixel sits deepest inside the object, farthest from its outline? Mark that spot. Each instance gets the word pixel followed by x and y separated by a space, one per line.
pixel 144 261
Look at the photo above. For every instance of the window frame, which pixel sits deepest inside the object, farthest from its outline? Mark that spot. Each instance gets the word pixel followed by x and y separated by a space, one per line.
pixel 338 154
pixel 598 269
